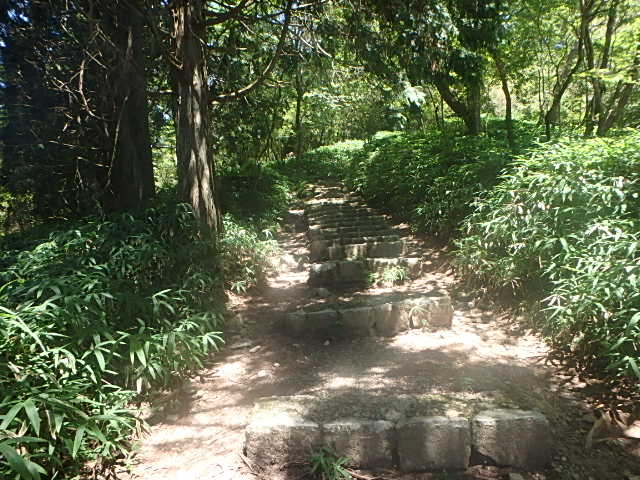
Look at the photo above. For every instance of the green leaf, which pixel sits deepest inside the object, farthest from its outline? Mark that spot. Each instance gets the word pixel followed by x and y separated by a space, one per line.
pixel 8 418
pixel 77 441
pixel 33 415
pixel 100 357
pixel 16 462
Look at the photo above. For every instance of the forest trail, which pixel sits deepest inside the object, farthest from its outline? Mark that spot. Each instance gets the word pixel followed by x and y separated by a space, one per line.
pixel 484 359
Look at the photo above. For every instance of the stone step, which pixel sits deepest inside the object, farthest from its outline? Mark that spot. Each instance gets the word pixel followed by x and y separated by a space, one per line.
pixel 318 249
pixel 334 233
pixel 354 251
pixel 347 227
pixel 384 319
pixel 357 271
pixel 337 210
pixel 350 222
pixel 287 430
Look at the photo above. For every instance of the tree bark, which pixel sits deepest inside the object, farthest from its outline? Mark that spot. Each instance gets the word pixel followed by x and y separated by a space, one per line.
pixel 622 96
pixel 298 120
pixel 596 112
pixel 130 183
pixel 195 167
pixel 469 112
pixel 508 116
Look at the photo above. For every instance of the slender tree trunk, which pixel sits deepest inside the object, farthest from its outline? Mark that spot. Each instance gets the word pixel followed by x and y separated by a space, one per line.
pixel 596 111
pixel 131 182
pixel 195 168
pixel 622 96
pixel 565 77
pixel 298 120
pixel 508 116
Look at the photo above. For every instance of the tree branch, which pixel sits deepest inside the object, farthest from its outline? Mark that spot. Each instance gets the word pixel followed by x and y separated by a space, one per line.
pixel 227 97
pixel 215 18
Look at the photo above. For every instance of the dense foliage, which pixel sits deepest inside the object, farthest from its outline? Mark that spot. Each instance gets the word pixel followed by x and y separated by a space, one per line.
pixel 562 225
pixel 426 178
pixel 328 161
pixel 91 317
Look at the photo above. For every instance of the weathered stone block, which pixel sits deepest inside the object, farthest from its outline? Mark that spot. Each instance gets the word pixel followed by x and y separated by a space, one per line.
pixel 367 444
pixel 386 249
pixel 297 219
pixel 323 274
pixel 357 322
pixel 322 321
pixel 318 249
pixel 401 315
pixel 433 443
pixel 515 438
pixel 386 322
pixel 355 251
pixel 295 323
pixel 429 311
pixel 278 432
pixel 351 271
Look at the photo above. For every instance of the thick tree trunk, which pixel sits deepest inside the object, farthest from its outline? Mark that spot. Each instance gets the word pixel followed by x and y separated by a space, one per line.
pixel 474 102
pixel 131 182
pixel 195 168
pixel 469 112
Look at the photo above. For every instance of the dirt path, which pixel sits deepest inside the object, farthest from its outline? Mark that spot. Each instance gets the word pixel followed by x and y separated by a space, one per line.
pixel 485 356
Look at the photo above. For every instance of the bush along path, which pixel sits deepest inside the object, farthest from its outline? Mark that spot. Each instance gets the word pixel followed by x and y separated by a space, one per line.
pixel 396 370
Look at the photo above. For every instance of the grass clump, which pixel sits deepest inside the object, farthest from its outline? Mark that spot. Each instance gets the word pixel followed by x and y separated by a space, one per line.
pixel 563 226
pixel 91 318
pixel 247 255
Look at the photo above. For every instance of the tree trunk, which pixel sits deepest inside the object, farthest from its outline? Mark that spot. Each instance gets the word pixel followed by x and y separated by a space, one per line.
pixel 565 77
pixel 622 96
pixel 470 112
pixel 298 120
pixel 131 182
pixel 508 118
pixel 195 168
pixel 474 102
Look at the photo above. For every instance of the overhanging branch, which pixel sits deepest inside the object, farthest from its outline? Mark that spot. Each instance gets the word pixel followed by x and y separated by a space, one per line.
pixel 227 97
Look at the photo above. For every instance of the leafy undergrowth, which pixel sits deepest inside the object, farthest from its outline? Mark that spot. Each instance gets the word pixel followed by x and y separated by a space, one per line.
pixel 427 179
pixel 563 226
pixel 326 162
pixel 91 318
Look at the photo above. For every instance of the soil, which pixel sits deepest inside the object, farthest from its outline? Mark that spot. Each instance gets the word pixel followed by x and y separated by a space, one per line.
pixel 487 356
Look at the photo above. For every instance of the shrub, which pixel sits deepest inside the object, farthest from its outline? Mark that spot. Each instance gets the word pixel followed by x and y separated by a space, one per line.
pixel 563 225
pixel 326 162
pixel 89 319
pixel 255 193
pixel 426 178
pixel 247 255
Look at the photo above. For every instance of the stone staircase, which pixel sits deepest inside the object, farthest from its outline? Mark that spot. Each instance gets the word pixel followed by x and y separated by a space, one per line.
pixel 350 243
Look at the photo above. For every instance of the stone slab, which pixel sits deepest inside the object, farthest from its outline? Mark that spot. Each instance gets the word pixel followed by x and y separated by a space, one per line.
pixel 433 443
pixel 366 443
pixel 515 438
pixel 279 433
pixel 427 311
pixel 357 322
